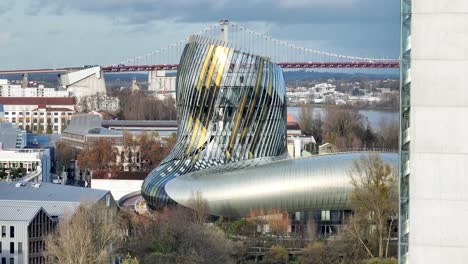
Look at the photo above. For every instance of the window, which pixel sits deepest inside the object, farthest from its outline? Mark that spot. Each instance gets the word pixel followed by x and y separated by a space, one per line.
pixel 325 215
pixel 12 260
pixel 12 231
pixel 3 260
pixel 7 113
pixel 3 231
pixel 12 247
pixel 13 113
pixel 108 200
pixel 20 247
pixel 0 247
pixel 28 113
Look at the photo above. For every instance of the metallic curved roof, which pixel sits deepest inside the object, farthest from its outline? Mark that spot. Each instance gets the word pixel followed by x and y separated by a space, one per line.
pixel 312 183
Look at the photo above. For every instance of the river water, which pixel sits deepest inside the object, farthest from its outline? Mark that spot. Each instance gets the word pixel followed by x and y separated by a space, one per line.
pixel 373 116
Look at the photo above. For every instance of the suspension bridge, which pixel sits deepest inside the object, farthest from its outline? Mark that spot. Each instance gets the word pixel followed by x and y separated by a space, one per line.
pixel 285 54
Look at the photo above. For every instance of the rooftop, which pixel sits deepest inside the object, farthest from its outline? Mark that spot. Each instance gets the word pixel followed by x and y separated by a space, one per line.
pixel 9 135
pixel 85 124
pixel 20 214
pixel 140 123
pixel 119 175
pixel 56 199
pixel 37 101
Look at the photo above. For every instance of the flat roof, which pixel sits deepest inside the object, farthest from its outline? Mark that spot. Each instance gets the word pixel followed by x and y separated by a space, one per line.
pixel 56 199
pixel 37 100
pixel 140 123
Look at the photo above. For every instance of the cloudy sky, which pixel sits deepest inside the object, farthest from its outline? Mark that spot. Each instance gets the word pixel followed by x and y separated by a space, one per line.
pixel 55 33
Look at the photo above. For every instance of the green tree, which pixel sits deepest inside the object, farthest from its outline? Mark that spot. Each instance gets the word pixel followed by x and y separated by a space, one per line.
pixel 130 260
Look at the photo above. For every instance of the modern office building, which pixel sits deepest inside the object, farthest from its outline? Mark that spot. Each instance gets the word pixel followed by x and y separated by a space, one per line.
pixel 434 142
pixel 232 146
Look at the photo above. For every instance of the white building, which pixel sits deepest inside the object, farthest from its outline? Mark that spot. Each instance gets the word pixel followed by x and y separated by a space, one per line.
pixel 85 82
pixel 35 162
pixel 119 183
pixel 160 83
pixel 28 212
pixel 434 132
pixel 39 114
pixel 23 233
pixel 11 137
pixel 14 90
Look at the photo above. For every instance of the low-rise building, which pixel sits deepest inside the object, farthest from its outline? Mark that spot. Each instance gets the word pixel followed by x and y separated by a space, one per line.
pixel 25 165
pixel 327 148
pixel 39 114
pixel 30 211
pixel 164 128
pixel 23 233
pixel 119 183
pixel 56 199
pixel 16 90
pixel 84 129
pixel 11 137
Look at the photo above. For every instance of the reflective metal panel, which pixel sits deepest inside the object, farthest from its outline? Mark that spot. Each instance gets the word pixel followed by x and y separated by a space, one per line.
pixel 313 183
pixel 231 107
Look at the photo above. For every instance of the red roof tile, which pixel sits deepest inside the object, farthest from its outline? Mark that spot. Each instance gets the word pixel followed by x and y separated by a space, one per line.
pixel 37 101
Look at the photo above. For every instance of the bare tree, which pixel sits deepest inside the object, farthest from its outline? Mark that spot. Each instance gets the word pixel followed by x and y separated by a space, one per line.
pixel 344 127
pixel 84 237
pixel 172 237
pixel 375 204
pixel 199 206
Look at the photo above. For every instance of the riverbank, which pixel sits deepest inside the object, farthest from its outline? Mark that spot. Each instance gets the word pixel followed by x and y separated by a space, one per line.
pixel 357 107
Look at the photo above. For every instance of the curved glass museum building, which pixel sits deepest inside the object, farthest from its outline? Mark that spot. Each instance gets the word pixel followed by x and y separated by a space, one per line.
pixel 231 141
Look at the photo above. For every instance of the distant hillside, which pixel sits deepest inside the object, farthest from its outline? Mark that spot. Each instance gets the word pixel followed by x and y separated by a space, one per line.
pixel 52 78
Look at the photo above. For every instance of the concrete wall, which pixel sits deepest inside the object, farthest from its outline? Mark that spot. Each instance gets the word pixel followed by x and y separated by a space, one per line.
pixel 439 132
pixel 21 235
pixel 118 188
pixel 85 82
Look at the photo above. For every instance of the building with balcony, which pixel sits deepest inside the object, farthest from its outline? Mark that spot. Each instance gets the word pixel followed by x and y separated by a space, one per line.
pixel 39 114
